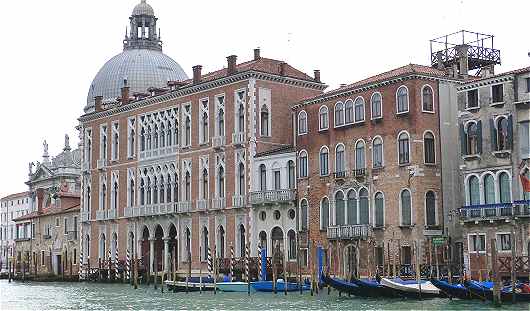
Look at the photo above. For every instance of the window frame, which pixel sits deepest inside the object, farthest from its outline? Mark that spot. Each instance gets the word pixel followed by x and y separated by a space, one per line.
pixel 493 102
pixel 320 153
pixel 303 154
pixel 340 113
pixel 320 114
pixel 343 162
pixel 375 210
pixel 401 224
pixel 408 149
pixel 436 222
pixel 362 101
pixel 499 235
pixel 372 105
pixel 425 149
pixel 302 130
pixel 467 99
pixel 425 86
pixel 469 244
pixel 321 218
pixel 382 152
pixel 407 100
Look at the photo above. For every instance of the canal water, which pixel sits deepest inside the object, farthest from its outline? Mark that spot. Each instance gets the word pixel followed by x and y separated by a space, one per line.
pixel 45 296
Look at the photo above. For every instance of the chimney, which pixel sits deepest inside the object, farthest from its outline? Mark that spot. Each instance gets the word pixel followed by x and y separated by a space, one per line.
pixel 439 60
pixel 197 74
pixel 317 75
pixel 282 68
pixel 343 85
pixel 125 93
pixel 40 200
pixel 461 52
pixel 98 101
pixel 232 59
pixel 257 55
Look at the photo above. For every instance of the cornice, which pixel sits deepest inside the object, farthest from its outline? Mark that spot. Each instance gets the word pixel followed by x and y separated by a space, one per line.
pixel 484 82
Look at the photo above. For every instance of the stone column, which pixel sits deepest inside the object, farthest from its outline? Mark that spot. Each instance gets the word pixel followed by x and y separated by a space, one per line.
pixel 152 255
pixel 166 255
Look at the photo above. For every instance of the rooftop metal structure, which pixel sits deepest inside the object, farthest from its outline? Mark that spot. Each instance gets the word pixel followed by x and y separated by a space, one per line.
pixel 449 50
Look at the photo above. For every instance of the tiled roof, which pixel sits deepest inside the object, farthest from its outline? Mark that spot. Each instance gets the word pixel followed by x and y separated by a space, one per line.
pixel 266 65
pixel 394 73
pixel 49 211
pixel 16 195
pixel 282 149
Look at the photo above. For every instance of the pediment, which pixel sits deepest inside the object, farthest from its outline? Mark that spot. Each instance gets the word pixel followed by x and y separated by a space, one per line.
pixel 42 172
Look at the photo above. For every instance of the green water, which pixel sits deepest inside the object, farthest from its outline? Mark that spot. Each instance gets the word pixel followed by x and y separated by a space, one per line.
pixel 39 296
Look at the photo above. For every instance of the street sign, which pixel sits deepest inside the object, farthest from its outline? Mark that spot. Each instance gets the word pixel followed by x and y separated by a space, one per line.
pixel 438 240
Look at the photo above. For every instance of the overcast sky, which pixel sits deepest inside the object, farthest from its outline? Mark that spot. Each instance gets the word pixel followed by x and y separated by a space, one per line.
pixel 51 50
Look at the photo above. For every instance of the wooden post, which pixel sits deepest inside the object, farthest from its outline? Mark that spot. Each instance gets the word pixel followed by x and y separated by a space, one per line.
pixel 477 246
pixel 450 265
pixel 429 245
pixel 9 267
pixel 437 262
pixel 514 258
pixel 399 258
pixel 496 285
pixel 310 266
pixel 174 263
pixel 285 271
pixel 214 270
pixel 418 262
pixel 200 270
pixel 135 271
pixel 394 274
pixel 274 269
pixel 189 269
pixel 155 268
pixel 298 263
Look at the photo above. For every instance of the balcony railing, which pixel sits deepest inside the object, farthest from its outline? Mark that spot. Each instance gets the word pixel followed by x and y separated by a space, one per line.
pixel 184 207
pixel 492 211
pixel 218 141
pixel 348 232
pixel 238 138
pixel 218 203
pixel 521 208
pixel 272 196
pixel 112 214
pixel 239 200
pixel 101 164
pixel 202 205
pixel 85 216
pixel 339 175
pixel 71 236
pixel 101 214
pixel 360 172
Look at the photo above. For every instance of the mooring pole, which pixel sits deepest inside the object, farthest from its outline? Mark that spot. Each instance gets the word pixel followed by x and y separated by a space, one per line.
pixel 496 285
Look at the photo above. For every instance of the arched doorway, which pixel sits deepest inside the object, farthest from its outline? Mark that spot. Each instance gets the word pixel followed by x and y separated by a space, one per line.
pixel 277 240
pixel 114 247
pixel 350 261
pixel 144 251
pixel 221 242
pixel 242 240
pixel 173 249
pixel 263 239
pixel 102 247
pixel 159 248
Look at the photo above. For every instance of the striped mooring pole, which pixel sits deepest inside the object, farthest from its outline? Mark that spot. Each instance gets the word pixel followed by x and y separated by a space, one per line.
pixel 247 259
pixel 259 258
pixel 209 262
pixel 80 270
pixel 232 262
pixel 128 265
pixel 109 265
pixel 116 262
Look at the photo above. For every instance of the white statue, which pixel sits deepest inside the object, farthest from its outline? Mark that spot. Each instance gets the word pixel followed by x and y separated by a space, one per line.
pixel 66 142
pixel 30 167
pixel 45 146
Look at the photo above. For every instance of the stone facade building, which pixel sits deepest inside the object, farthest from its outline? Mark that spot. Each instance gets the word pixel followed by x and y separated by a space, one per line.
pixel 11 207
pixel 494 147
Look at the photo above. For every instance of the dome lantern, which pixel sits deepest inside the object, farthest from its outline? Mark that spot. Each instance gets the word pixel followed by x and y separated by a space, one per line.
pixel 143 30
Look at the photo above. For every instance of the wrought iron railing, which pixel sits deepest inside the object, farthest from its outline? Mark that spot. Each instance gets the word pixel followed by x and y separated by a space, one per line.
pixel 346 232
pixel 272 196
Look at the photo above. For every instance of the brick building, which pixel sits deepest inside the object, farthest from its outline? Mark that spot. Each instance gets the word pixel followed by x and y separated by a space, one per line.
pixel 369 169
pixel 168 173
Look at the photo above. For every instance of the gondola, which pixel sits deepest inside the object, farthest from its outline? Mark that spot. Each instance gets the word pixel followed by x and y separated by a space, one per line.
pixel 452 290
pixel 181 286
pixel 372 288
pixel 343 286
pixel 485 291
pixel 266 286
pixel 411 289
pixel 240 287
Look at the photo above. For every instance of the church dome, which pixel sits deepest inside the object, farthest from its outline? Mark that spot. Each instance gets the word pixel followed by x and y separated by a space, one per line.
pixel 141 63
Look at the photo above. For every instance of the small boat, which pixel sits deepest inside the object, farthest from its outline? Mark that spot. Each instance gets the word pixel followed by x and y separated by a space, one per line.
pixel 240 287
pixel 372 288
pixel 281 285
pixel 181 286
pixel 484 291
pixel 343 286
pixel 411 289
pixel 452 290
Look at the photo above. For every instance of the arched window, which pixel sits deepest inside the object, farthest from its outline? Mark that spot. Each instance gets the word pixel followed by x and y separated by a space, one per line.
pixel 303 215
pixel 427 99
pixel 187 134
pixel 402 99
pixel 430 208
pixel 221 182
pixel 406 210
pixel 263 239
pixel 348 111
pixel 302 163
pixel 291 174
pixel 175 188
pixel 501 135
pixel 292 245
pixel 339 114
pixel 429 151
pixel 263 177
pixel 241 174
pixel 364 209
pixel 352 208
pixel 339 159
pixel 323 118
pixel 359 109
pixel 155 137
pixel 162 136
pixel 264 121
pixel 204 127
pixel 324 214
pixel 241 118
pixel 142 192
pixel 205 244
pixel 88 198
pixel 377 152
pixel 242 241
pixel 302 123
pixel 376 103
pixel 187 182
pixel 221 243
pixel 360 162
pixel 472 135
pixel 131 193
pixel 339 209
pixel 205 189
pixel 161 196
pixel 324 161
pixel 115 195
pixel 103 196
pixel 155 191
pixel 489 189
pixel 473 190
pixel 142 139
pixel 149 194
pixel 505 191
pixel 187 235
pixel 102 249
pixel 403 148
pixel 379 212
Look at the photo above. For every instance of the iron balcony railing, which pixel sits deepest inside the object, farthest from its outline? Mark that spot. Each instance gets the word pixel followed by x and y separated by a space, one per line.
pixel 218 141
pixel 239 200
pixel 348 232
pixel 238 138
pixel 218 203
pixel 202 205
pixel 272 196
pixel 184 207
pixel 495 211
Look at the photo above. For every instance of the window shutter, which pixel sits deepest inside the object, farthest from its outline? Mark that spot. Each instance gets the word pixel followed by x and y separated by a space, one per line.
pixel 493 133
pixel 463 143
pixel 510 131
pixel 479 134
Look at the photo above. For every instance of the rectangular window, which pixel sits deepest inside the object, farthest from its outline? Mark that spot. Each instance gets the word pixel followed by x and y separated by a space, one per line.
pixel 407 255
pixel 42 258
pixel 504 241
pixel 477 242
pixel 75 228
pixel 472 99
pixel 57 222
pixel 277 181
pixel 497 95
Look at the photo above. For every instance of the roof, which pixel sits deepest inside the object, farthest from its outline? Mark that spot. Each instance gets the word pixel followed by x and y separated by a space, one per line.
pixel 511 72
pixel 16 195
pixel 262 64
pixel 282 149
pixel 54 210
pixel 394 73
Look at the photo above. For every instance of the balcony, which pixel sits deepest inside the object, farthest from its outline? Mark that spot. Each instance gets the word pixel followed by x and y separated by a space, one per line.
pixel 85 216
pixel 202 205
pixel 272 196
pixel 488 212
pixel 184 207
pixel 239 200
pixel 218 203
pixel 71 236
pixel 359 173
pixel 348 232
pixel 101 164
pixel 218 141
pixel 101 214
pixel 112 214
pixel 521 208
pixel 339 175
pixel 238 139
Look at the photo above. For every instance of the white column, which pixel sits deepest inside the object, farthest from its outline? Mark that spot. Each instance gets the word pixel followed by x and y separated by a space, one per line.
pixel 166 255
pixel 152 254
